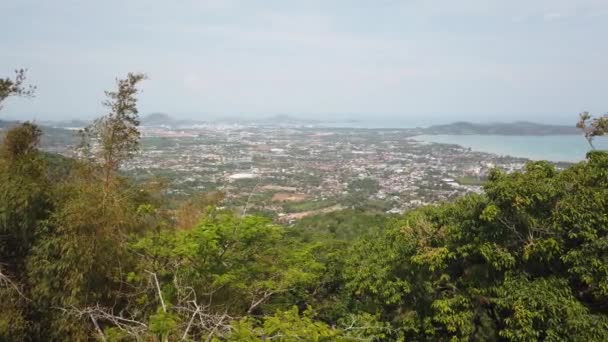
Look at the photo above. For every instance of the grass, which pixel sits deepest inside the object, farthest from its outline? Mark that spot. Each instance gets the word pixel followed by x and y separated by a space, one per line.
pixel 470 180
pixel 299 207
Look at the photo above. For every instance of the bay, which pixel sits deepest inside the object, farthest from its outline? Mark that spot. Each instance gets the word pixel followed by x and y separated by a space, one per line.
pixel 565 148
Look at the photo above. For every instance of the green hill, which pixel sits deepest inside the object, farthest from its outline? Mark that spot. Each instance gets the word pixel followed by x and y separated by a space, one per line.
pixel 515 128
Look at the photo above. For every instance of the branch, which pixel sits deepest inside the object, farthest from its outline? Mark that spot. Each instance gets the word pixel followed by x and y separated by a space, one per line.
pixel 160 294
pixel 6 281
pixel 267 294
pixel 101 335
pixel 250 196
pixel 219 323
pixel 511 228
pixel 96 313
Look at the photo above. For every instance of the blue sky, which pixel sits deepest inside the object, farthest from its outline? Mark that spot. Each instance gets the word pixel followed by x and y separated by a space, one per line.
pixel 415 60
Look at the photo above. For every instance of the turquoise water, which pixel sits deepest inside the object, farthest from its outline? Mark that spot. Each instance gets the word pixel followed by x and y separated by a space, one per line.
pixel 568 148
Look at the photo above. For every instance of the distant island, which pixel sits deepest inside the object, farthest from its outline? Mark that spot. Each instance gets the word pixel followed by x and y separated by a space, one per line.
pixel 514 128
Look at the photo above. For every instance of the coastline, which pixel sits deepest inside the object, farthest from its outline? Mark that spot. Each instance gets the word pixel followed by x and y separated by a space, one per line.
pixel 553 148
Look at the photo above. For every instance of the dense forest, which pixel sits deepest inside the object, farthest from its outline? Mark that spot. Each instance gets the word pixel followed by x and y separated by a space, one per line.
pixel 86 253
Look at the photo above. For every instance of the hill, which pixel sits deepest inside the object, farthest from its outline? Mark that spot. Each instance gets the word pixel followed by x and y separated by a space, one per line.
pixel 514 128
pixel 157 119
pixel 52 137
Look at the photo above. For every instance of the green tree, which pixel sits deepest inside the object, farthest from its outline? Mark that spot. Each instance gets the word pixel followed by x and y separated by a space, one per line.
pixel 25 204
pixel 360 190
pixel 293 325
pixel 285 326
pixel 80 257
pixel 525 261
pixel 116 133
pixel 193 283
pixel 24 201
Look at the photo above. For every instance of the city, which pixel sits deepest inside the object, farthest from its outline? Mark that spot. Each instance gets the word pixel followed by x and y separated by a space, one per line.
pixel 289 173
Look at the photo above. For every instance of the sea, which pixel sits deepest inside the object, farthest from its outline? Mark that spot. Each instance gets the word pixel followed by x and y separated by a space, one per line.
pixel 556 148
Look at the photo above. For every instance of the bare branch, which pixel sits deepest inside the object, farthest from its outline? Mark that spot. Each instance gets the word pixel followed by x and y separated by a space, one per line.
pixel 5 281
pixel 250 196
pixel 160 294
pixel 185 335
pixel 101 335
pixel 592 127
pixel 130 326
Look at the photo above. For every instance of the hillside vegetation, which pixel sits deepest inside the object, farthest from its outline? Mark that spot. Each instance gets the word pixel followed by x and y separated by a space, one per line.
pixel 87 254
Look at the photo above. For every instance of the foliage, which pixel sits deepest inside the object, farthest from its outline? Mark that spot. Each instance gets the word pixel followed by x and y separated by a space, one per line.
pixel 23 201
pixel 284 326
pixel 359 191
pixel 297 207
pixel 470 180
pixel 191 211
pixel 291 325
pixel 346 225
pixel 116 133
pixel 525 261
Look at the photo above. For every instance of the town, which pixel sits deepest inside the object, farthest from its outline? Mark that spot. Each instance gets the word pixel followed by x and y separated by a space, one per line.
pixel 292 172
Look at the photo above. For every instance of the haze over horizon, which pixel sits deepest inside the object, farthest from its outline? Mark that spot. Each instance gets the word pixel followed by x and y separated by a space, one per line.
pixel 413 61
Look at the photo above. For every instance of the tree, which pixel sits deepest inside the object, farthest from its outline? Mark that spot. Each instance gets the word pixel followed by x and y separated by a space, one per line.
pixel 25 204
pixel 592 127
pixel 359 191
pixel 526 260
pixel 21 141
pixel 15 87
pixel 78 258
pixel 286 326
pixel 116 133
pixel 191 211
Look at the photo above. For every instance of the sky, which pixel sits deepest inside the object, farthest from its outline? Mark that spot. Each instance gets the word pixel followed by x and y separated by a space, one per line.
pixel 411 60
